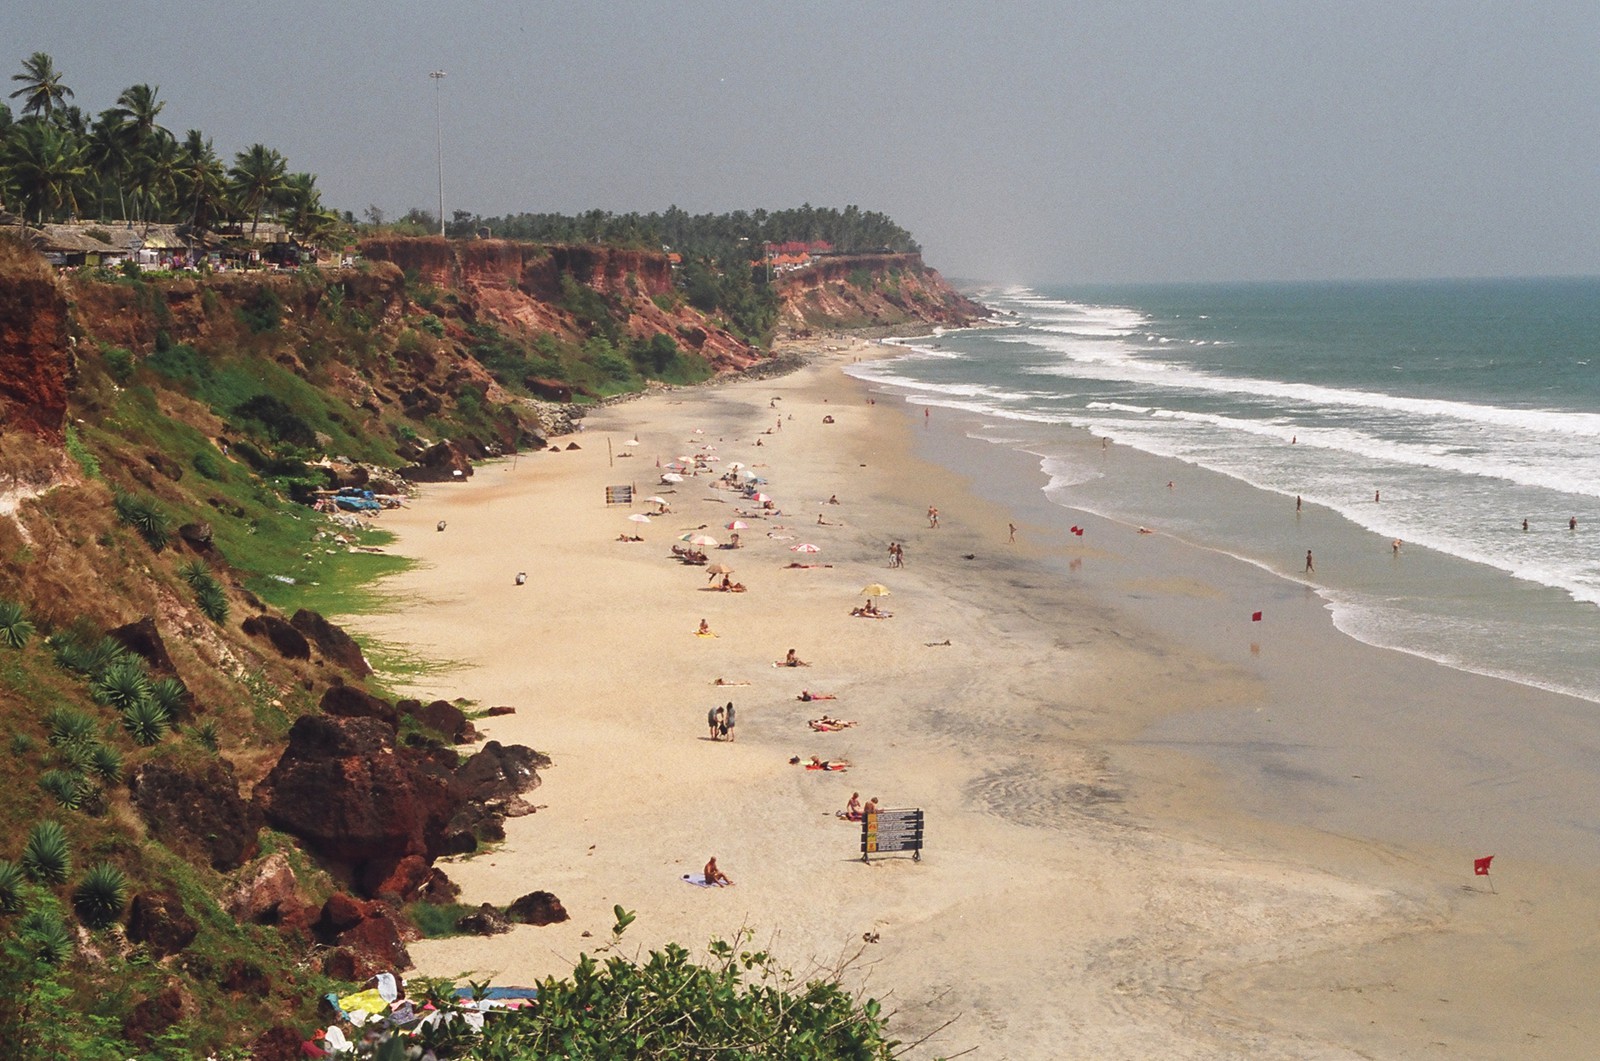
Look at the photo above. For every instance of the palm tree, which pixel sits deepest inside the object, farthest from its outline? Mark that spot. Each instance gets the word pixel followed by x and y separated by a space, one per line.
pixel 257 178
pixel 47 165
pixel 304 213
pixel 201 179
pixel 107 151
pixel 42 91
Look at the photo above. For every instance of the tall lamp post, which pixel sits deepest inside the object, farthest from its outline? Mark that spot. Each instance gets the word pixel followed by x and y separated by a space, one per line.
pixel 438 126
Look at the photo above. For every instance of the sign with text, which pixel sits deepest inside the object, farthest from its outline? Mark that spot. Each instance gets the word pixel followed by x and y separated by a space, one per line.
pixel 619 495
pixel 886 831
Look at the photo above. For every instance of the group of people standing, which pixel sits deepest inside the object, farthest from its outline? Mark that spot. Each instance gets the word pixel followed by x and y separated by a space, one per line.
pixel 721 722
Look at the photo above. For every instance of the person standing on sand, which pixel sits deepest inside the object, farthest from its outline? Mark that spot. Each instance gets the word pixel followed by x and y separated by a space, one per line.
pixel 1297 502
pixel 1011 529
pixel 1572 524
pixel 1310 567
pixel 714 720
pixel 727 722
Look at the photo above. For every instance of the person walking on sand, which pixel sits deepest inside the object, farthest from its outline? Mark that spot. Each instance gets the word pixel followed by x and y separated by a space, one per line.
pixel 727 722
pixel 1297 502
pixel 1396 546
pixel 933 516
pixel 1011 530
pixel 1311 568
pixel 714 720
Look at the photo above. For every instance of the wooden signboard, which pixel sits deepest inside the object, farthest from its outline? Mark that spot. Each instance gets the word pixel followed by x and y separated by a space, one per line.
pixel 886 831
pixel 619 495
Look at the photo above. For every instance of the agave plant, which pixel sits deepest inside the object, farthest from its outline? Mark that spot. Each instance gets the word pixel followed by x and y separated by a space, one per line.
pixel 122 684
pixel 47 857
pixel 169 694
pixel 105 762
pixel 15 629
pixel 142 514
pixel 101 895
pixel 146 722
pixel 212 602
pixel 205 735
pixel 196 574
pixel 11 881
pixel 67 725
pixel 45 937
pixel 67 786
pixel 74 655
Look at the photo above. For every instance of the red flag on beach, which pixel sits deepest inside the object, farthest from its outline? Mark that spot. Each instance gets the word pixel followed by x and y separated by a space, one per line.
pixel 1255 617
pixel 1078 531
pixel 1480 866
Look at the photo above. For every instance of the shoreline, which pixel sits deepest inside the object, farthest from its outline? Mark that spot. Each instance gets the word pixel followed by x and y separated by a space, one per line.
pixel 1084 884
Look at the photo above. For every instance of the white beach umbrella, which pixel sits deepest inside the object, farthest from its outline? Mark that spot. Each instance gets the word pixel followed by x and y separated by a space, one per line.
pixel 656 500
pixel 671 477
pixel 735 465
pixel 639 517
pixel 698 539
pixel 805 547
pixel 631 442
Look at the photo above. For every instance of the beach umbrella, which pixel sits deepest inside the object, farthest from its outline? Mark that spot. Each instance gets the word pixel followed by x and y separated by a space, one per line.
pixel 671 477
pixel 701 540
pixel 631 442
pixel 710 458
pixel 736 466
pixel 656 500
pixel 719 569
pixel 639 517
pixel 758 496
pixel 877 589
pixel 804 547
pixel 737 524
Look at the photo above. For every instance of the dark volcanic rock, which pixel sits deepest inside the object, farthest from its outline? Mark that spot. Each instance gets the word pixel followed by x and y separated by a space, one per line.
pixel 366 932
pixel 144 640
pixel 344 789
pixel 439 463
pixel 197 536
pixel 198 809
pixel 331 641
pixel 441 716
pixel 347 701
pixel 500 771
pixel 153 1015
pixel 484 921
pixel 159 921
pixel 290 643
pixel 537 908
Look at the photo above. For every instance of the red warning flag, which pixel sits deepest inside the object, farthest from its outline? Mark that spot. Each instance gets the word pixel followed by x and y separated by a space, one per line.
pixel 1255 617
pixel 1480 866
pixel 1078 531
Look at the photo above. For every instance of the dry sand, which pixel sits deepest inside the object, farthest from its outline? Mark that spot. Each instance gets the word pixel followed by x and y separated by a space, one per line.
pixel 1084 892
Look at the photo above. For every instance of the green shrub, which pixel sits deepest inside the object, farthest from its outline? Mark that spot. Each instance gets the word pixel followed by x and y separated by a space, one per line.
pixel 433 326
pixel 437 920
pixel 119 362
pixel 47 857
pixel 144 516
pixel 11 882
pixel 180 363
pixel 45 937
pixel 79 452
pixel 262 311
pixel 207 465
pixel 101 895
pixel 68 787
pixel 205 735
pixel 169 694
pixel 106 763
pixel 122 684
pixel 93 659
pixel 68 725
pixel 146 722
pixel 15 629
pixel 212 602
pixel 21 744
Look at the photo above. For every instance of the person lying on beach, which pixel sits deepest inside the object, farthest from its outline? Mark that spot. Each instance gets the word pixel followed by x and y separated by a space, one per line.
pixel 829 725
pixel 725 681
pixel 870 611
pixel 826 523
pixel 629 538
pixel 806 695
pixel 817 763
pixel 796 563
pixel 715 876
pixel 789 659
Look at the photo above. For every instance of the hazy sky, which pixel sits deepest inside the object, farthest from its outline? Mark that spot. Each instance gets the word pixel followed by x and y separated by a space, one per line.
pixel 1028 141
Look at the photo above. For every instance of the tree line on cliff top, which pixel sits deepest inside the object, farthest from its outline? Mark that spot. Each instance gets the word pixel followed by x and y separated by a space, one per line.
pixel 58 163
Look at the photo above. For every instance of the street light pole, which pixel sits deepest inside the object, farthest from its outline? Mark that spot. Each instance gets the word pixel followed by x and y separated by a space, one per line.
pixel 438 126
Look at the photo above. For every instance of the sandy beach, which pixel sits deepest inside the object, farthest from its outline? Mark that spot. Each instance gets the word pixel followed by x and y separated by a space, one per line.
pixel 1090 887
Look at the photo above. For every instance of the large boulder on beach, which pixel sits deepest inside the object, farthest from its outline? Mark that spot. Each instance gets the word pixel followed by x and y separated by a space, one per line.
pixel 347 701
pixel 537 908
pixel 331 641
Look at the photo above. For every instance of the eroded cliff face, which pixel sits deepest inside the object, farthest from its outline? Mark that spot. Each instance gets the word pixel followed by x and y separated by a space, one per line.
pixel 518 286
pixel 35 352
pixel 900 292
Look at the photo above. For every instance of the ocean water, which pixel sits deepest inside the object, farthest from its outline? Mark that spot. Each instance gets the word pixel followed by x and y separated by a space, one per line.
pixel 1439 414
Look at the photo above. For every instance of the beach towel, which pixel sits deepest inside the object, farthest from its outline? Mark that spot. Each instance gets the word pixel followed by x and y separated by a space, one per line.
pixel 707 633
pixel 697 879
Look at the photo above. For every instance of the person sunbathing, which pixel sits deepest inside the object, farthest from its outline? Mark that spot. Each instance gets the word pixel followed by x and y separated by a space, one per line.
pixel 807 696
pixel 792 660
pixel 852 810
pixel 714 875
pixel 816 763
pixel 825 724
pixel 705 630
